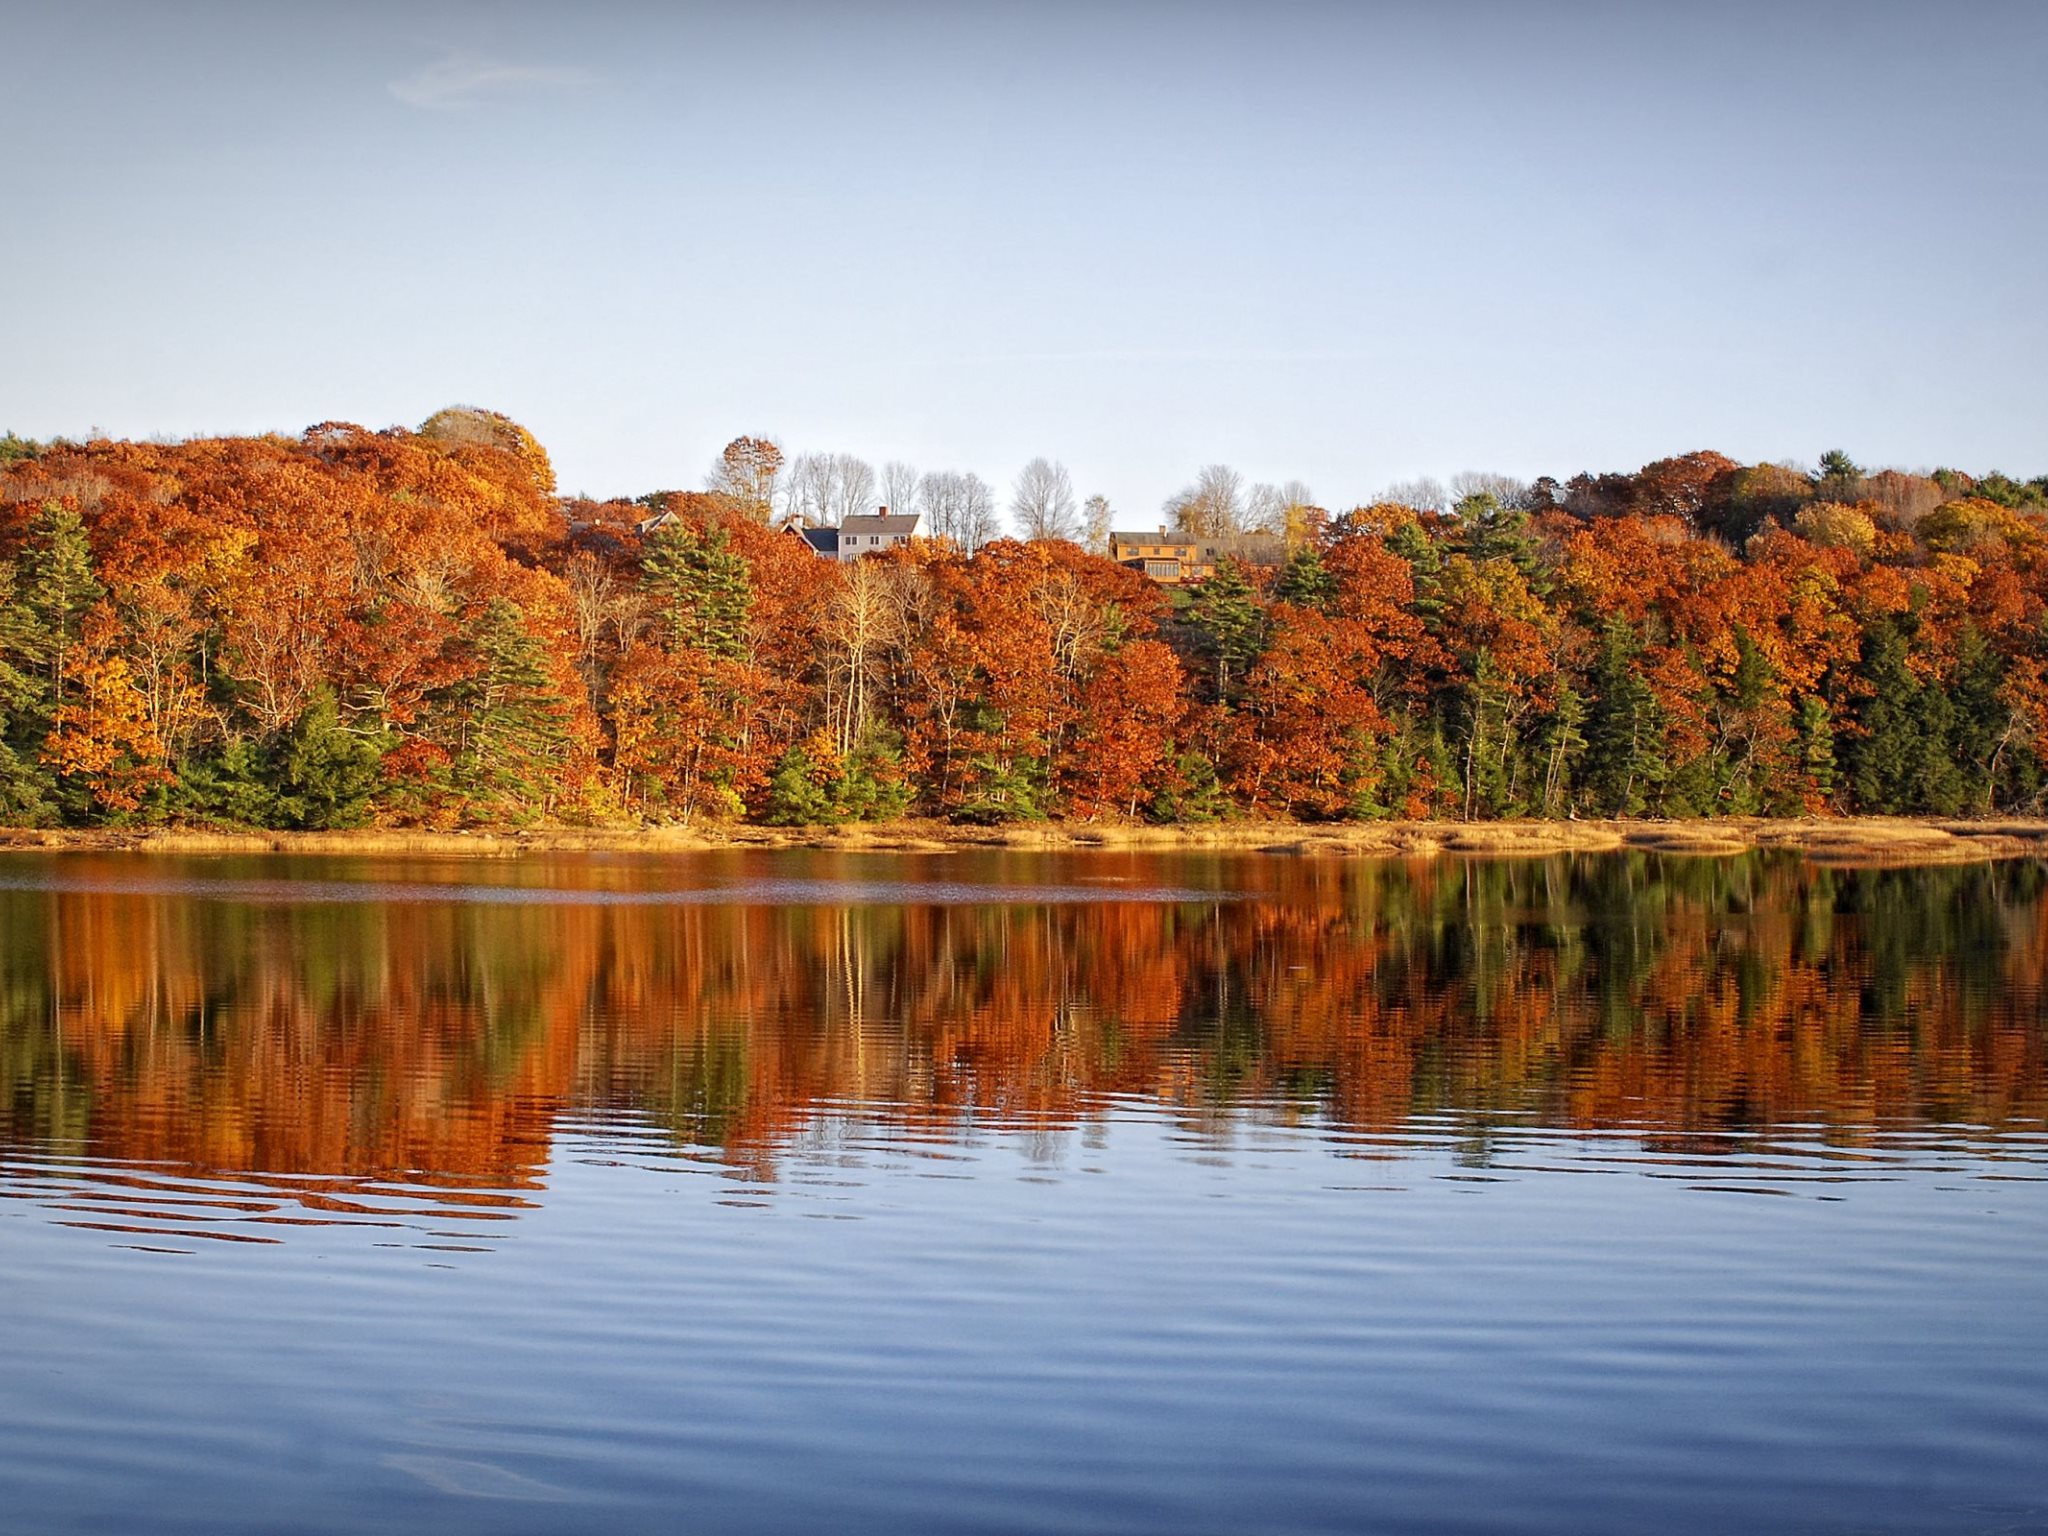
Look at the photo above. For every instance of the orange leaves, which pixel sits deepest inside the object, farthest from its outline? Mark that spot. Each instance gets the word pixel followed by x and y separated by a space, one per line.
pixel 1489 608
pixel 1311 728
pixel 1130 713
pixel 103 735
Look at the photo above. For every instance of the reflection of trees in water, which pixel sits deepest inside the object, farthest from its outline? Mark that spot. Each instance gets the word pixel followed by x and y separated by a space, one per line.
pixel 1676 998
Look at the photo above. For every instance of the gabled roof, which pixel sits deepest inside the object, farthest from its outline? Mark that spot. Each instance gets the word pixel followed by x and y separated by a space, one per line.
pixel 824 541
pixel 883 522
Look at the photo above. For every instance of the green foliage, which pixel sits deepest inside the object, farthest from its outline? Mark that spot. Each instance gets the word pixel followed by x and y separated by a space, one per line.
pixel 326 775
pixel 1411 541
pixel 509 715
pixel 318 776
pixel 14 449
pixel 1191 792
pixel 1487 743
pixel 867 784
pixel 1564 744
pixel 236 784
pixel 1013 789
pixel 1817 745
pixel 1226 615
pixel 700 587
pixel 1902 762
pixel 21 649
pixel 1624 761
pixel 1304 581
pixel 1491 531
pixel 797 796
pixel 59 587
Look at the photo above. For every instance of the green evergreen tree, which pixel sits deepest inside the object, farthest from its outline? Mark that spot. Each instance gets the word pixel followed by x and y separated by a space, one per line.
pixel 24 786
pixel 237 784
pixel 1304 581
pixel 326 775
pixel 1493 532
pixel 1817 744
pixel 797 793
pixel 700 587
pixel 1193 792
pixel 1984 726
pixel 1411 541
pixel 1902 762
pixel 1624 760
pixel 60 588
pixel 1486 745
pixel 1225 612
pixel 512 735
pixel 1564 743
pixel 871 785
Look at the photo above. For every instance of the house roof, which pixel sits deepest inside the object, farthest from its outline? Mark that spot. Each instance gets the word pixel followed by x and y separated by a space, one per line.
pixel 883 522
pixel 1256 547
pixel 824 540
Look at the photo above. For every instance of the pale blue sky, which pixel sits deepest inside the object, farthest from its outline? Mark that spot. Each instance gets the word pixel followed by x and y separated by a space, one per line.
pixel 1349 244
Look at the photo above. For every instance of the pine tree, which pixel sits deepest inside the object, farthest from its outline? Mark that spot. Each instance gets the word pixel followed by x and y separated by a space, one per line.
pixel 1411 541
pixel 1624 737
pixel 1903 762
pixel 1983 723
pixel 60 588
pixel 1304 581
pixel 701 587
pixel 797 796
pixel 1494 532
pixel 513 735
pixel 24 790
pixel 326 775
pixel 1817 745
pixel 1564 745
pixel 1225 611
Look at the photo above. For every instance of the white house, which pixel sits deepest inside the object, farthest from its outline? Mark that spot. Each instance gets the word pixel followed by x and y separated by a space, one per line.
pixel 871 533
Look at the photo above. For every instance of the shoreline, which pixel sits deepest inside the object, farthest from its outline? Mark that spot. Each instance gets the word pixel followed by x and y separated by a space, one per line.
pixel 1845 840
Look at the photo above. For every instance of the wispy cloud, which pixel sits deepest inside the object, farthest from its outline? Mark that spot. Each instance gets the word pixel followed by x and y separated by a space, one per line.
pixel 463 79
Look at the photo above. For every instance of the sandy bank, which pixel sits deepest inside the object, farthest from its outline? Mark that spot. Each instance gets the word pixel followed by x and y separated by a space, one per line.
pixel 1849 840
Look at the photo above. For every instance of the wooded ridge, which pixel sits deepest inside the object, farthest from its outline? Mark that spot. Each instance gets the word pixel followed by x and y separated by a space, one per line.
pixel 410 628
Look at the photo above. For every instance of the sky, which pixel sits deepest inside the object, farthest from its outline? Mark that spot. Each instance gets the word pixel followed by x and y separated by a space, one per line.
pixel 1345 244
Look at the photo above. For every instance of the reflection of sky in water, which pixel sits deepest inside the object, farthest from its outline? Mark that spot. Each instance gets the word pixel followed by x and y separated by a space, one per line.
pixel 768 893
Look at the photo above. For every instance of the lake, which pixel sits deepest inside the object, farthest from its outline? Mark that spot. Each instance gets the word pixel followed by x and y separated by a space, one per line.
pixel 774 1191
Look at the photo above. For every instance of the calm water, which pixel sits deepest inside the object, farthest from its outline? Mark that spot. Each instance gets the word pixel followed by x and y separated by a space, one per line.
pixel 979 1192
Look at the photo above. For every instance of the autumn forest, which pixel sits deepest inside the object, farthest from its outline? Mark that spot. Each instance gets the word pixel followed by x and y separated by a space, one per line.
pixel 355 627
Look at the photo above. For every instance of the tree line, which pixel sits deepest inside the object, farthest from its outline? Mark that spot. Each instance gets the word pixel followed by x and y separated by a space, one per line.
pixel 412 627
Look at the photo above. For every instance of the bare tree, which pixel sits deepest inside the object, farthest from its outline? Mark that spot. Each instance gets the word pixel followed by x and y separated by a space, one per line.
pixel 959 507
pixel 1043 502
pixel 1096 521
pixel 807 488
pixel 1506 490
pixel 1423 493
pixel 1281 509
pixel 863 616
pixel 1214 504
pixel 744 475
pixel 828 488
pixel 853 487
pixel 899 486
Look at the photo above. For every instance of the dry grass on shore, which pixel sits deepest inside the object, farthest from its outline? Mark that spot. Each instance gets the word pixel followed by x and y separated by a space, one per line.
pixel 1849 840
